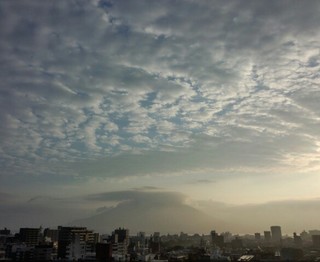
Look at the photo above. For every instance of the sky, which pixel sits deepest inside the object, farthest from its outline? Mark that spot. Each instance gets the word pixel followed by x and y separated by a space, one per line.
pixel 210 105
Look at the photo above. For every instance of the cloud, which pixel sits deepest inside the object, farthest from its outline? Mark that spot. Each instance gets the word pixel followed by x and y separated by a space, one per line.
pixel 119 89
pixel 149 211
pixel 5 197
pixel 40 210
pixel 148 198
pixel 153 209
pixel 204 181
pixel 147 188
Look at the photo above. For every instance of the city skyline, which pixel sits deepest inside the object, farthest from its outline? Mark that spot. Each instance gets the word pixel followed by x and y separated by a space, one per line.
pixel 82 244
pixel 205 113
pixel 272 234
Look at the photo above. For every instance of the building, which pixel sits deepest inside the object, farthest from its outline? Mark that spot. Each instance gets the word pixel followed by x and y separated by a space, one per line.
pixel 30 236
pixel 155 243
pixel 120 243
pixel 43 252
pixel 246 258
pixel 316 241
pixel 138 243
pixel 141 238
pixel 237 243
pixel 257 237
pixel 76 242
pixel 156 237
pixel 21 252
pixel 2 255
pixel 291 254
pixel 297 240
pixel 103 252
pixel 267 236
pixel 50 235
pixel 276 234
pixel 5 232
pixel 216 239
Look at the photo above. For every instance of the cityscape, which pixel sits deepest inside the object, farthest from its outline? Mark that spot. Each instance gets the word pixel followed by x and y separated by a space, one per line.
pixel 69 243
pixel 160 130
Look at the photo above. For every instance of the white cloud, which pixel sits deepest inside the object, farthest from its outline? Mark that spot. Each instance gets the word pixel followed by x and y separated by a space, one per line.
pixel 90 81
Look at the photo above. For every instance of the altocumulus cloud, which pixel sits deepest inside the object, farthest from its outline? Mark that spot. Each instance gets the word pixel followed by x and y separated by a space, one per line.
pixel 210 85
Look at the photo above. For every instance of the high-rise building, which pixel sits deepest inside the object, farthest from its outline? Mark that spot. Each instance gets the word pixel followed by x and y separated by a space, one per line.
pixel 75 242
pixel 216 239
pixel 51 234
pixel 297 240
pixel 276 234
pixel 156 237
pixel 141 238
pixel 120 243
pixel 154 243
pixel 267 236
pixel 30 236
pixel 123 234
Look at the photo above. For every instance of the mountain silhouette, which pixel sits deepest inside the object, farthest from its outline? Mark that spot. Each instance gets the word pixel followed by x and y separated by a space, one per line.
pixel 150 217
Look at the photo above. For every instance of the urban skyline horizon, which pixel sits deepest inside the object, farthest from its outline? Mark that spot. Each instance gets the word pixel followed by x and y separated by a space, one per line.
pixel 175 114
pixel 82 244
pixel 313 231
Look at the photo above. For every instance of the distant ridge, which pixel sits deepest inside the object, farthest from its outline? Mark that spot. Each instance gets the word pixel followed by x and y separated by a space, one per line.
pixel 150 218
